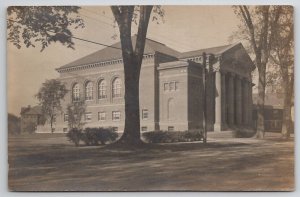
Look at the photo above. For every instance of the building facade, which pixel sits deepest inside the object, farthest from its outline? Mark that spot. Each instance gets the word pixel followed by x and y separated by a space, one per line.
pixel 32 119
pixel 171 88
pixel 273 111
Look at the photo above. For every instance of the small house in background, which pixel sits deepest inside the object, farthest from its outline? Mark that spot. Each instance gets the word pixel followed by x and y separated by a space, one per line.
pixel 273 112
pixel 31 119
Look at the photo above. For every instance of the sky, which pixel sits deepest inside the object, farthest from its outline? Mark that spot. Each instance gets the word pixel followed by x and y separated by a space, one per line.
pixel 184 28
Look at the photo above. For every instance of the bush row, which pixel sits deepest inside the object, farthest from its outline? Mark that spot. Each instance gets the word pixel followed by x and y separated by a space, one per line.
pixel 172 136
pixel 92 136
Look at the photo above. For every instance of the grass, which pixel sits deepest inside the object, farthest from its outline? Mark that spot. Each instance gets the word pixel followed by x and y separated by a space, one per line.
pixel 51 163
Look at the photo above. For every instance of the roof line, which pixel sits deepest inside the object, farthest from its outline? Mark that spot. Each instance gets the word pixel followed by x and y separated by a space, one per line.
pixel 229 47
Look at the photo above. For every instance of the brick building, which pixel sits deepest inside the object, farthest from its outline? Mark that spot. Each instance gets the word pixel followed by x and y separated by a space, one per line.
pixel 273 111
pixel 31 119
pixel 171 88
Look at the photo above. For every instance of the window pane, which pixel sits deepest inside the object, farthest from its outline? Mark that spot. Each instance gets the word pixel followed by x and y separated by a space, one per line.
pixel 116 115
pixel 88 116
pixel 172 86
pixel 66 117
pixel 89 91
pixel 76 92
pixel 166 87
pixel 101 116
pixel 170 128
pixel 176 85
pixel 116 88
pixel 145 114
pixel 144 129
pixel 102 89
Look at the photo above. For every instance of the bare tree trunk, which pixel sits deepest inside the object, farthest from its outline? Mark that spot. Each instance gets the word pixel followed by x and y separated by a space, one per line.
pixel 51 123
pixel 260 129
pixel 132 115
pixel 287 119
pixel 132 59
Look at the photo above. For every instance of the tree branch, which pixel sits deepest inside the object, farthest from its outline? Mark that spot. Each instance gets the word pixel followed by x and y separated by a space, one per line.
pixel 145 12
pixel 117 14
pixel 247 17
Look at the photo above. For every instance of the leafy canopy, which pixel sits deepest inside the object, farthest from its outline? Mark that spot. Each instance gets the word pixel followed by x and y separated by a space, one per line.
pixel 50 95
pixel 42 25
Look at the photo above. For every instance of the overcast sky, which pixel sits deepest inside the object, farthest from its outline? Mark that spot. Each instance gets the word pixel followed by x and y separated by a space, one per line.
pixel 185 28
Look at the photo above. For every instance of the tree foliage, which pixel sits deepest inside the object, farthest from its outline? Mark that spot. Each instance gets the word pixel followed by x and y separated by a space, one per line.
pixel 258 27
pixel 43 25
pixel 50 96
pixel 76 111
pixel 282 55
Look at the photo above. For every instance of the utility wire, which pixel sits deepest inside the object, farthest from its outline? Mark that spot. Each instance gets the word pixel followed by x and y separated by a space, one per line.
pixel 77 38
pixel 82 39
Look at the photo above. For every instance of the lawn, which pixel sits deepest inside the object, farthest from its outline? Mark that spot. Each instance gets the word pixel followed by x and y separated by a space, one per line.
pixel 45 162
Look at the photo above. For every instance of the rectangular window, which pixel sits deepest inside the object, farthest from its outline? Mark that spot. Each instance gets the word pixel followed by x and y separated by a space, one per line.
pixel 88 116
pixel 116 115
pixel 101 116
pixel 172 86
pixel 144 128
pixel 170 128
pixel 66 118
pixel 176 85
pixel 115 129
pixel 145 114
pixel 166 86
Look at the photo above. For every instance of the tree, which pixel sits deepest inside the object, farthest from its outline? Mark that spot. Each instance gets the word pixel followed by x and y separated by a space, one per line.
pixel 132 58
pixel 52 24
pixel 282 54
pixel 76 111
pixel 31 25
pixel 258 27
pixel 50 95
pixel 13 124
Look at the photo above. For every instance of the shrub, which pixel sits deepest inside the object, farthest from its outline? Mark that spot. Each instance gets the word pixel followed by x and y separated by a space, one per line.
pixel 92 136
pixel 244 133
pixel 74 135
pixel 194 135
pixel 172 136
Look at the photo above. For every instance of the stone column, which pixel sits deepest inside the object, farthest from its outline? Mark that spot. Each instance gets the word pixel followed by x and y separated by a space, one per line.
pixel 218 100
pixel 238 101
pixel 245 102
pixel 231 100
pixel 224 100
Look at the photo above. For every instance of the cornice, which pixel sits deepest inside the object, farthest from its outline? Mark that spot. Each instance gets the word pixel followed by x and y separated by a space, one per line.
pixel 97 64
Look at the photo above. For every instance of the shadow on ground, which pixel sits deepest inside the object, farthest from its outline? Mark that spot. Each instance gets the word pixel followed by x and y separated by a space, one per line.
pixel 53 164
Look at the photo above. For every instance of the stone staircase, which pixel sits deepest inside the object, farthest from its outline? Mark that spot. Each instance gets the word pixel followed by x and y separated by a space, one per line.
pixel 220 134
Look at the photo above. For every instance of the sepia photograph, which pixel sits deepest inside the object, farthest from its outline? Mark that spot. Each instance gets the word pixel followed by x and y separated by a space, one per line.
pixel 150 98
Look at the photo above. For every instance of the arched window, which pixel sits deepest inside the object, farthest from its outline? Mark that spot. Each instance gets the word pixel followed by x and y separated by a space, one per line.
pixel 76 92
pixel 89 91
pixel 102 89
pixel 116 88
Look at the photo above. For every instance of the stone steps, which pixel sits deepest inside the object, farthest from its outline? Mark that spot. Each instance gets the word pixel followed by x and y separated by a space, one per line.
pixel 221 134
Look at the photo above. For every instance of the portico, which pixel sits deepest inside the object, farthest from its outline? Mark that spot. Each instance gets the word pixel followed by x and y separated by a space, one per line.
pixel 233 98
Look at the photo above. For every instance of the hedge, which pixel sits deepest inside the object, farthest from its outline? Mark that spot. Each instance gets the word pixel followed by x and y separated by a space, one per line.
pixel 92 136
pixel 172 136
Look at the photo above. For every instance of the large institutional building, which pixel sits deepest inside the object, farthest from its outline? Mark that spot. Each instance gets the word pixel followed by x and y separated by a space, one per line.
pixel 171 88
